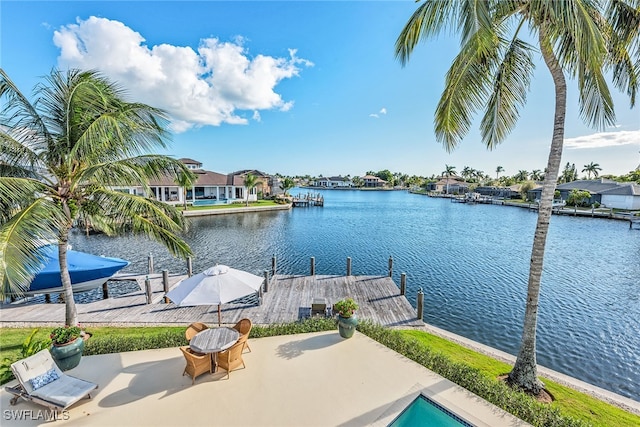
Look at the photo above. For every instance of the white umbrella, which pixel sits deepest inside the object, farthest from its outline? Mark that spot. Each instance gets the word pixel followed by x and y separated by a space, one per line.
pixel 216 285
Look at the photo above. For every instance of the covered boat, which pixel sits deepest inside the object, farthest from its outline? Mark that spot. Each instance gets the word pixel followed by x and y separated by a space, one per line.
pixel 87 271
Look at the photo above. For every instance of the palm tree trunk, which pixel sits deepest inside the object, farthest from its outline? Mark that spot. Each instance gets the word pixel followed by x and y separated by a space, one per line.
pixel 71 314
pixel 525 374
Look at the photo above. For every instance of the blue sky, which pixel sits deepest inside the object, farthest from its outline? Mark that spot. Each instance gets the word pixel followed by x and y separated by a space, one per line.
pixel 293 87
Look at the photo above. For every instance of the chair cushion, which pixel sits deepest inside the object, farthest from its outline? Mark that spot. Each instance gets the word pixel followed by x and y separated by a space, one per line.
pixel 34 366
pixel 65 391
pixel 44 379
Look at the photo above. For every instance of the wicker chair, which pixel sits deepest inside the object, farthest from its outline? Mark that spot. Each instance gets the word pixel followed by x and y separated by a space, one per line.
pixel 197 364
pixel 231 358
pixel 193 329
pixel 244 327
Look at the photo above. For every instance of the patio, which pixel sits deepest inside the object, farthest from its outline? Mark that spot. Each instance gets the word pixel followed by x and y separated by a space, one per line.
pixel 316 379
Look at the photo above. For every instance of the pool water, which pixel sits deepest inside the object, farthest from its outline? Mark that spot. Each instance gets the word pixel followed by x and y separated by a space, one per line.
pixel 424 412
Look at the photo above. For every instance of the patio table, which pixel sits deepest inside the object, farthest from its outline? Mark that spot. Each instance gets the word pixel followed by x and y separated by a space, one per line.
pixel 214 340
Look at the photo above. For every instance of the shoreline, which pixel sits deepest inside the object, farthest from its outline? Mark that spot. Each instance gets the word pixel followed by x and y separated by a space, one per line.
pixel 243 209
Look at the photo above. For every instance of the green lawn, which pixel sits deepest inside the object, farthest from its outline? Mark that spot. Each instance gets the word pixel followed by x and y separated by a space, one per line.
pixel 231 205
pixel 568 400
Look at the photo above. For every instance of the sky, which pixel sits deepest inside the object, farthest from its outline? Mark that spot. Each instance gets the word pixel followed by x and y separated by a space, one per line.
pixel 294 87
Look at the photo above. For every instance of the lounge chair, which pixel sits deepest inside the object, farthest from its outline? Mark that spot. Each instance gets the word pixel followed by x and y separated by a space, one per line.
pixel 197 364
pixel 42 382
pixel 244 328
pixel 193 329
pixel 318 307
pixel 231 358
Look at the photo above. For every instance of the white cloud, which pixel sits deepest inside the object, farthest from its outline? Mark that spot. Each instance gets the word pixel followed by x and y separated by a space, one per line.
pixel 210 86
pixel 603 139
pixel 377 115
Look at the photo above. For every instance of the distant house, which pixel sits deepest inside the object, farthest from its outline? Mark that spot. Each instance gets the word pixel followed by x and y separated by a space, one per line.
pixel 371 181
pixel 511 192
pixel 333 182
pixel 209 187
pixel 452 185
pixel 608 193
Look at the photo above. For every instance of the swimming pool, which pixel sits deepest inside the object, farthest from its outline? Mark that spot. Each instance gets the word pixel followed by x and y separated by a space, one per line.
pixel 422 411
pixel 209 202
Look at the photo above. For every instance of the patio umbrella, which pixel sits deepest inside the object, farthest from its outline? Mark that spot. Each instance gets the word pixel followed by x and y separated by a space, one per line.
pixel 216 285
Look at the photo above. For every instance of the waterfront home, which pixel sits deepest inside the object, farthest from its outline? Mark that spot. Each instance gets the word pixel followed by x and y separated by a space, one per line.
pixel 511 192
pixel 332 182
pixel 607 193
pixel 449 185
pixel 371 181
pixel 209 188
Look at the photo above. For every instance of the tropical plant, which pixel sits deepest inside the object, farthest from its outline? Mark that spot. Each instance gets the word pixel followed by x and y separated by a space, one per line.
pixel 286 185
pixel 569 173
pixel 578 39
pixel 65 334
pixel 345 307
pixel 536 175
pixel 498 170
pixel 578 197
pixel 522 175
pixel 448 172
pixel 592 168
pixel 186 180
pixel 58 158
pixel 250 182
pixel 30 346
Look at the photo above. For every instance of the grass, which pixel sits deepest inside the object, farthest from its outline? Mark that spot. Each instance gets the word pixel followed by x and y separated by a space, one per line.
pixel 232 205
pixel 474 371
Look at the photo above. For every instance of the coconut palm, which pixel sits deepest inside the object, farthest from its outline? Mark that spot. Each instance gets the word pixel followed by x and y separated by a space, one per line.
pixel 592 168
pixel 287 184
pixel 536 175
pixel 250 182
pixel 186 181
pixel 60 155
pixel 498 170
pixel 448 171
pixel 522 175
pixel 579 39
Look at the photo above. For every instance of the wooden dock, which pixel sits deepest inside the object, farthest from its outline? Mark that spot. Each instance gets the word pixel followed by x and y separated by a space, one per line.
pixel 288 298
pixel 308 200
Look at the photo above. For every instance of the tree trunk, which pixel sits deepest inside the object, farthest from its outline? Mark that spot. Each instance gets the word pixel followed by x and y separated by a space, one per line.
pixel 71 314
pixel 525 373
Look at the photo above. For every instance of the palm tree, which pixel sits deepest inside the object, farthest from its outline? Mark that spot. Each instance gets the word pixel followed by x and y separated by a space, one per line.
pixel 59 157
pixel 286 185
pixel 250 182
pixel 522 175
pixel 186 180
pixel 536 175
pixel 592 168
pixel 448 171
pixel 581 39
pixel 498 170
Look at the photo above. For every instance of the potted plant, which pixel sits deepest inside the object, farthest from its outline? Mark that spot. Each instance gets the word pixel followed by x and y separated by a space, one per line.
pixel 67 344
pixel 347 320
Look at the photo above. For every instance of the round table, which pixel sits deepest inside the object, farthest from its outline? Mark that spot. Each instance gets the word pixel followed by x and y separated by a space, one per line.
pixel 214 340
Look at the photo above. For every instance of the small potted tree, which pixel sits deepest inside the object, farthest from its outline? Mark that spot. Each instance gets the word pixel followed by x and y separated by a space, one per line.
pixel 67 344
pixel 347 320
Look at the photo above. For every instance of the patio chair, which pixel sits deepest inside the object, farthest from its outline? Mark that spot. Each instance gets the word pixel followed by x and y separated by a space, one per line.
pixel 231 359
pixel 193 329
pixel 318 307
pixel 42 382
pixel 197 364
pixel 244 328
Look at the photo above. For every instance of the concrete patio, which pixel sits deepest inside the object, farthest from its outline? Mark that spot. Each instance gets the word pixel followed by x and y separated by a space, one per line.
pixel 316 379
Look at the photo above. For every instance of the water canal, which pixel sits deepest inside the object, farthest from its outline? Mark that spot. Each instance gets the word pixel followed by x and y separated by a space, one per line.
pixel 471 261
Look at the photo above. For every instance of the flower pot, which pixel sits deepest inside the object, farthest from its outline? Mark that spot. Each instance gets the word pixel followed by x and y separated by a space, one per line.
pixel 67 356
pixel 347 325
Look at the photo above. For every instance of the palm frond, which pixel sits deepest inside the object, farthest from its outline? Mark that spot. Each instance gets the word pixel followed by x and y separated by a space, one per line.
pixel 467 86
pixel 474 15
pixel 429 19
pixel 596 104
pixel 19 239
pixel 510 87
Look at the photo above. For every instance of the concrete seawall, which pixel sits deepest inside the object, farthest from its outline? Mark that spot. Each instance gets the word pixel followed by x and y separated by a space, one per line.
pixel 240 209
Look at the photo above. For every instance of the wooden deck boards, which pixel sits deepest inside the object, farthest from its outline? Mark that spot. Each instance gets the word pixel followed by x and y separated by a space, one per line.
pixel 288 299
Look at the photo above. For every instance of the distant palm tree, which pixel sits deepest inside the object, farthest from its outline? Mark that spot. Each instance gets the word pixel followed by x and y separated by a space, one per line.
pixel 522 175
pixel 250 182
pixel 580 38
pixel 58 158
pixel 592 168
pixel 186 181
pixel 286 185
pixel 536 175
pixel 449 171
pixel 498 170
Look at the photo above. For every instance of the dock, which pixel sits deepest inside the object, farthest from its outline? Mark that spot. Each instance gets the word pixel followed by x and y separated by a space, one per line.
pixel 288 299
pixel 308 200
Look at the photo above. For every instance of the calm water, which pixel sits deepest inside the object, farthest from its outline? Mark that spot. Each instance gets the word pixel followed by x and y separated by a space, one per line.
pixel 471 261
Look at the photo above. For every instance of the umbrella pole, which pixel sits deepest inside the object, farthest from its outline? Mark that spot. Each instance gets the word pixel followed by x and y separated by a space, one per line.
pixel 219 315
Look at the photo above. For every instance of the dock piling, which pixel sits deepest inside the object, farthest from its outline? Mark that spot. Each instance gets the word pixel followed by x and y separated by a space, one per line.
pixel 390 266
pixel 147 289
pixel 348 266
pixel 189 267
pixel 273 265
pixel 150 264
pixel 105 290
pixel 420 304
pixel 313 266
pixel 266 281
pixel 403 283
pixel 165 285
